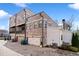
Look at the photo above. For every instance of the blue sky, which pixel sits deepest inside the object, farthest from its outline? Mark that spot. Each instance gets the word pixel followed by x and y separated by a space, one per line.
pixel 57 11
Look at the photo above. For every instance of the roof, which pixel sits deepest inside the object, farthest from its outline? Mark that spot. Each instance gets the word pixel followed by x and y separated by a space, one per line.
pixel 28 11
pixel 4 31
pixel 44 15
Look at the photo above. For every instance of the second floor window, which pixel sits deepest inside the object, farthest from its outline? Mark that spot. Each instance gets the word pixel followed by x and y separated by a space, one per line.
pixel 35 25
pixel 45 24
pixel 23 28
pixel 40 24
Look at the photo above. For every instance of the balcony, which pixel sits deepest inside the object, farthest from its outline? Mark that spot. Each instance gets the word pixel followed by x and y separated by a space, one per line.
pixel 20 28
pixel 12 30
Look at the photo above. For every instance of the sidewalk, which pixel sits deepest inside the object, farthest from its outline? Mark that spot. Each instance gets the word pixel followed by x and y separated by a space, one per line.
pixel 2 42
pixel 4 51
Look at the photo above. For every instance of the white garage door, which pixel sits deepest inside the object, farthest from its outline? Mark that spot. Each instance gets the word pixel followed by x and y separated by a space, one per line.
pixel 54 36
pixel 67 37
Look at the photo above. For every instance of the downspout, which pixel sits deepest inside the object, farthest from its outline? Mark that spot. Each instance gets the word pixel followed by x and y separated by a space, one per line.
pixel 15 24
pixel 25 24
pixel 42 29
pixel 9 26
pixel 9 29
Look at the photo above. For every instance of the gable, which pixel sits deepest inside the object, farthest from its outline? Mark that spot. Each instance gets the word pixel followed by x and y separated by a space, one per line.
pixel 49 20
pixel 20 17
pixel 12 21
pixel 37 17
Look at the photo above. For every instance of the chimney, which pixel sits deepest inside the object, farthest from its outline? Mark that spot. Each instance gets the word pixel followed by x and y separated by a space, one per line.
pixel 63 21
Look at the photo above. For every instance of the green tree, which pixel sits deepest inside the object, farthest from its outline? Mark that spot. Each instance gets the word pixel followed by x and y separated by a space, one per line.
pixel 75 41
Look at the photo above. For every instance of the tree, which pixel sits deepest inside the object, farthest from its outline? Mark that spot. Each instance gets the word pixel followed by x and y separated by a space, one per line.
pixel 70 22
pixel 75 41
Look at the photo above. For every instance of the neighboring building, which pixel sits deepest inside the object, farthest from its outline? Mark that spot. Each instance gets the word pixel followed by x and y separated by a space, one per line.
pixel 3 34
pixel 39 28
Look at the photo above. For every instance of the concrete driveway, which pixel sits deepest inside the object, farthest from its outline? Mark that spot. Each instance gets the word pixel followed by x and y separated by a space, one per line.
pixel 4 51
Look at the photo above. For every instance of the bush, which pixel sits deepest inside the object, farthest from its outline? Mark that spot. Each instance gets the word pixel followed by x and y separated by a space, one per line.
pixel 64 47
pixel 24 42
pixel 54 45
pixel 75 41
pixel 69 48
pixel 74 49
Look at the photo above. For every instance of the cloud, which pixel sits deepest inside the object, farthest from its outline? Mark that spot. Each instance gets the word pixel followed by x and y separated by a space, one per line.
pixel 4 13
pixel 74 6
pixel 2 27
pixel 21 4
pixel 4 18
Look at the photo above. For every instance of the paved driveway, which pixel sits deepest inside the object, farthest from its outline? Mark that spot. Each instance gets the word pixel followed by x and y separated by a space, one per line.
pixel 4 51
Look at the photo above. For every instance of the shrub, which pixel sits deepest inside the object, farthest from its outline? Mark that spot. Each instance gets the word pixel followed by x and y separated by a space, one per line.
pixel 64 47
pixel 70 48
pixel 75 41
pixel 74 49
pixel 54 45
pixel 24 42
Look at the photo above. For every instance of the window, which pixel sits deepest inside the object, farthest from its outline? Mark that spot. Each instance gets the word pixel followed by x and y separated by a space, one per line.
pixel 30 27
pixel 35 25
pixel 40 24
pixel 45 24
pixel 23 28
pixel 61 37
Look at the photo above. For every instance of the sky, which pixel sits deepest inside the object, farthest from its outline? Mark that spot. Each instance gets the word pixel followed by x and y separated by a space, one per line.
pixel 57 11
